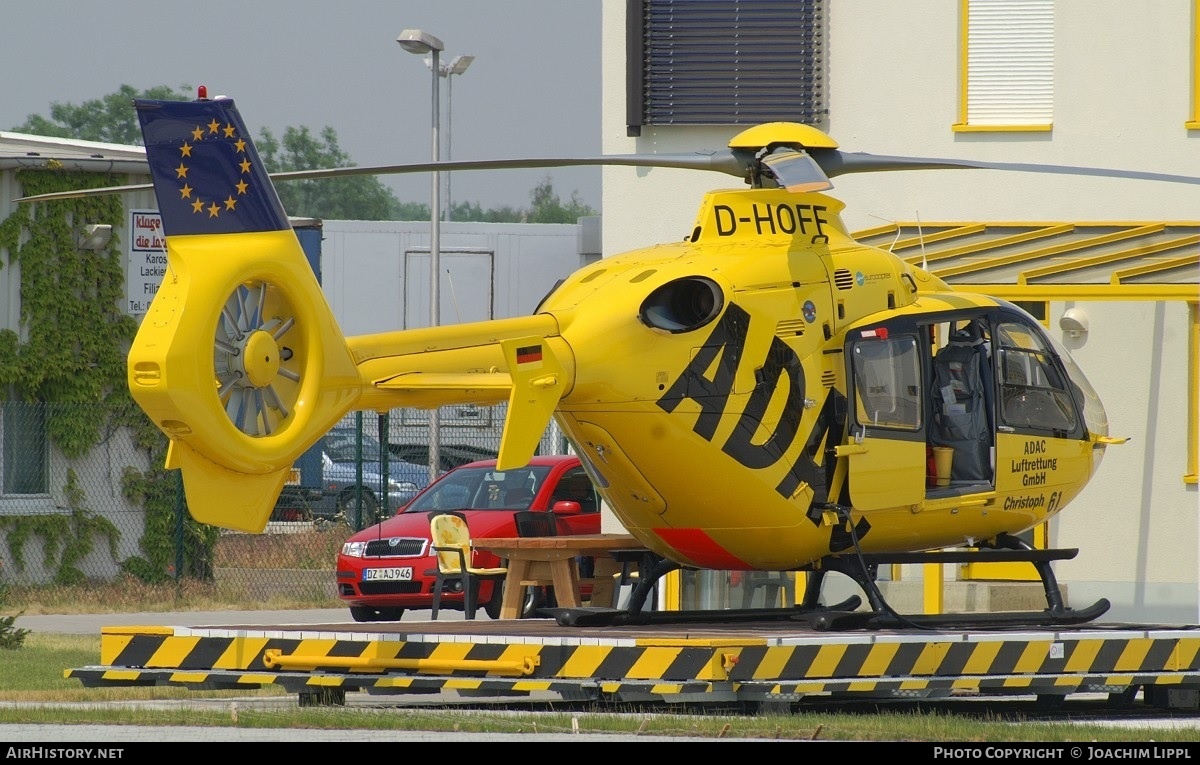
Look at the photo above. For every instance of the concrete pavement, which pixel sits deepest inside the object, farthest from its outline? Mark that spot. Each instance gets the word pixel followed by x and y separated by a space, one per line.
pixel 90 624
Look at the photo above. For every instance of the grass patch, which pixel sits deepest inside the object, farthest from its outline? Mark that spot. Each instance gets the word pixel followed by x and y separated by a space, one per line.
pixel 316 548
pixel 34 673
pixel 128 594
pixel 253 560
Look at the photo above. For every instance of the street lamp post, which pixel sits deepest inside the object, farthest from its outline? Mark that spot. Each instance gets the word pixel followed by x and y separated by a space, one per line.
pixel 421 42
pixel 457 65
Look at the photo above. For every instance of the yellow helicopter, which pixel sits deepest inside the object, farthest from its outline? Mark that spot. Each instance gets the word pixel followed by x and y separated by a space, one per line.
pixel 845 408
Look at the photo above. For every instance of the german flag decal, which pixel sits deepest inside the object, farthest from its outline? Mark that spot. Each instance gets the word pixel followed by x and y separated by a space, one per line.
pixel 528 354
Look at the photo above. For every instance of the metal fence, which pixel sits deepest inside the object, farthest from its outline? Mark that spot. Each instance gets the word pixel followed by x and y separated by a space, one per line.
pixel 84 502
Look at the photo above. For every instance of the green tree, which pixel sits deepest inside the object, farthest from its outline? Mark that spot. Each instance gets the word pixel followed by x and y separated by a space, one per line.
pixel 417 211
pixel 110 119
pixel 356 197
pixel 548 208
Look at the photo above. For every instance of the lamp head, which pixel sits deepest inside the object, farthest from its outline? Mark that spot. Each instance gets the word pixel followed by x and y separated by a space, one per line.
pixel 419 41
pixel 1074 322
pixel 94 236
pixel 459 64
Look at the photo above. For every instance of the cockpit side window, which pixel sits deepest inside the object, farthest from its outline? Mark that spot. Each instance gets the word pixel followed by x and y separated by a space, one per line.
pixel 887 382
pixel 1033 393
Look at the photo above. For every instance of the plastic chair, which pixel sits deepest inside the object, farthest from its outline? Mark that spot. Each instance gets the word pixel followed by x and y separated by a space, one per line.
pixel 451 543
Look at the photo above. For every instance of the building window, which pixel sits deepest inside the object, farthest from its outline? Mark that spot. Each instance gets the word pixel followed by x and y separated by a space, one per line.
pixel 1038 309
pixel 724 62
pixel 23 448
pixel 1193 122
pixel 1007 64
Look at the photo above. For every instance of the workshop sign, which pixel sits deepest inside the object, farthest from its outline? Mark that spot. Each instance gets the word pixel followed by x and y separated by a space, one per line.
pixel 147 260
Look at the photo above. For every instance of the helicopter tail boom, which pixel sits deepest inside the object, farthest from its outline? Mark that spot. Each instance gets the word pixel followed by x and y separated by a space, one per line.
pixel 239 359
pixel 519 361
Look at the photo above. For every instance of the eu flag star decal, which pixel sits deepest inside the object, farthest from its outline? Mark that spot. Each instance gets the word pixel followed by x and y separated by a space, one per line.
pixel 207 174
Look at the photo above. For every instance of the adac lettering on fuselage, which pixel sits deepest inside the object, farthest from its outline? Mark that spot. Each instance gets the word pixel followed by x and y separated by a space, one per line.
pixel 1033 466
pixel 726 346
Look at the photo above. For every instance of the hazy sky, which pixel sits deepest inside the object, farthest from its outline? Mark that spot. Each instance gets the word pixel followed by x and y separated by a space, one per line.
pixel 533 89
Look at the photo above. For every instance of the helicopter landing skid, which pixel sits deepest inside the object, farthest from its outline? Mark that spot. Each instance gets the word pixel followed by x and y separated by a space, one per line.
pixel 616 617
pixel 1047 618
pixel 874 620
pixel 841 616
pixel 1005 548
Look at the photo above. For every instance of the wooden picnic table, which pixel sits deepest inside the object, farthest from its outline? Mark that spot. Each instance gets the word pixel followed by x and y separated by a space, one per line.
pixel 554 559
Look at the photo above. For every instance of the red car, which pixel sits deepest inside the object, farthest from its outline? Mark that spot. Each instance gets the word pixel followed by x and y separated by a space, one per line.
pixel 387 568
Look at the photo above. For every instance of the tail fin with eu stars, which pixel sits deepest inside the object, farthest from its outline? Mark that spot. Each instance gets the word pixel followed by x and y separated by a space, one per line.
pixel 240 360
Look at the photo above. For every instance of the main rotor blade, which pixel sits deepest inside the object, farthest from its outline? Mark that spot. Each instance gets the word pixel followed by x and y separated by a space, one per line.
pixel 731 162
pixel 81 193
pixel 837 163
pixel 794 170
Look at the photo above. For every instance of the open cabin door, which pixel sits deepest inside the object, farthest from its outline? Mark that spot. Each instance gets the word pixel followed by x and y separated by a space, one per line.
pixel 887 417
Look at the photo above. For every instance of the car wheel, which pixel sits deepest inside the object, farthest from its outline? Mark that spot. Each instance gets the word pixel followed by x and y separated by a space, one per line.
pixel 347 507
pixel 369 614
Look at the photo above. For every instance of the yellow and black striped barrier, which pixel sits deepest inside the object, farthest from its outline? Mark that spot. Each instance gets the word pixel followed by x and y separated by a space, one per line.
pixel 782 666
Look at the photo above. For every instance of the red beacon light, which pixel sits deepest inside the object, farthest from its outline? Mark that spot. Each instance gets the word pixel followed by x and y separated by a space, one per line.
pixel 202 93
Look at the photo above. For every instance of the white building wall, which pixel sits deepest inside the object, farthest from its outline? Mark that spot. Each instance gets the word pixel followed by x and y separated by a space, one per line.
pixel 375 275
pixel 1122 96
pixel 364 274
pixel 1135 523
pixel 1122 93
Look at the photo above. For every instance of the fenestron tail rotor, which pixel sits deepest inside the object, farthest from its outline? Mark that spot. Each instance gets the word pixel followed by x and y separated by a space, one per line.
pixel 258 357
pixel 248 377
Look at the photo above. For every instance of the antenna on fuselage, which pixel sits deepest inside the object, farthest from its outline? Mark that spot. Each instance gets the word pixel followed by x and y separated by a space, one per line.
pixel 921 239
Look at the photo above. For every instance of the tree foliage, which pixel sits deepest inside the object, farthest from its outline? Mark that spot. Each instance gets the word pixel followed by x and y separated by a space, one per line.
pixel 545 207
pixel 110 119
pixel 357 197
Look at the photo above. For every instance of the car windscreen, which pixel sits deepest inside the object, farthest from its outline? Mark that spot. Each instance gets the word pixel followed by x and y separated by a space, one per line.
pixel 482 489
pixel 344 447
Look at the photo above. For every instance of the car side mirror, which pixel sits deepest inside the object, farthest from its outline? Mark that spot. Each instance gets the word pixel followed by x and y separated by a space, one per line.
pixel 567 507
